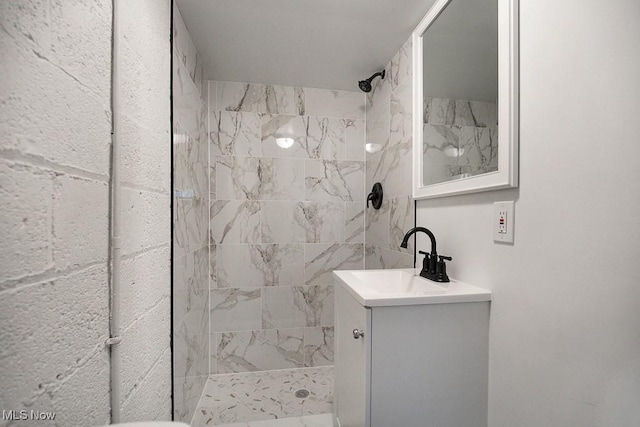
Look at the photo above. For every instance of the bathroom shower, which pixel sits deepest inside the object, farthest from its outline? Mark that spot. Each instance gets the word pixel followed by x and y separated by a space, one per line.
pixel 365 85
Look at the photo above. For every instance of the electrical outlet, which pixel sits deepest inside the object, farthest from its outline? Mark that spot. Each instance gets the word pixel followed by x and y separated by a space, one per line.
pixel 503 222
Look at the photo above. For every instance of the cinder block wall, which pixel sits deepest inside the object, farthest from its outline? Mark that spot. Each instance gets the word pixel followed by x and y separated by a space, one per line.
pixel 146 178
pixel 55 124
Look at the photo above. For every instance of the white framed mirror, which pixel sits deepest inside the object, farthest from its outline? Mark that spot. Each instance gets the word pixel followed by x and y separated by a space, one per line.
pixel 465 106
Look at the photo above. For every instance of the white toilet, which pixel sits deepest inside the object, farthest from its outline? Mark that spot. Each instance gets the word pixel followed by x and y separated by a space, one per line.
pixel 153 424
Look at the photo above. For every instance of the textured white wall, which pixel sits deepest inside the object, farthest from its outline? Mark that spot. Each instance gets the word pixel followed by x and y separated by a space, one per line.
pixel 146 306
pixel 54 185
pixel 565 317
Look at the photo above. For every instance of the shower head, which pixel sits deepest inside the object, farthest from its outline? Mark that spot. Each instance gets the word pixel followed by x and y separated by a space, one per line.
pixel 365 85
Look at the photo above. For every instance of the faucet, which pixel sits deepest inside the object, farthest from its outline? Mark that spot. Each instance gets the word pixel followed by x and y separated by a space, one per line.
pixel 433 265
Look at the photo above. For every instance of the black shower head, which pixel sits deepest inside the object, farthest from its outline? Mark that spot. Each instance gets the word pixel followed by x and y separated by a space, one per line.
pixel 365 85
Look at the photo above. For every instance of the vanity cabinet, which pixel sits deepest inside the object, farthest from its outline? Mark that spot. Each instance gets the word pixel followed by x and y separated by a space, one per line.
pixel 417 365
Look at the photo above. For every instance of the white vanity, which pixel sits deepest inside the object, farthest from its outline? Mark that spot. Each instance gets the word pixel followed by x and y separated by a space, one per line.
pixel 409 352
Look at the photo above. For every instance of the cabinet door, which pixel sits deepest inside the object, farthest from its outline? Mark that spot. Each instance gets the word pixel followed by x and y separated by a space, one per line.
pixel 352 368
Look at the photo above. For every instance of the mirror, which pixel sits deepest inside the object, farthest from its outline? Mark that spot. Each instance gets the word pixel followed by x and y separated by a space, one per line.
pixel 465 119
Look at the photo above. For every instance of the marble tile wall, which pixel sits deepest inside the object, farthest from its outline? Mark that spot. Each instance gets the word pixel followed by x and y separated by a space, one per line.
pixel 460 138
pixel 389 139
pixel 280 220
pixel 191 225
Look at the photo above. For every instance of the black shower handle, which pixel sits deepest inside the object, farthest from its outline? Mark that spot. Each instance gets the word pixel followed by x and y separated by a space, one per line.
pixel 375 196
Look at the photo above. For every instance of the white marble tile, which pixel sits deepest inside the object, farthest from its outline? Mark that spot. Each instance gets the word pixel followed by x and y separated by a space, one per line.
pixel 326 138
pixel 401 124
pixel 213 266
pixel 372 257
pixel 237 178
pixel 281 126
pixel 240 178
pixel 322 259
pixel 234 221
pixel 190 276
pixel 440 173
pixel 299 97
pixel 191 191
pixel 234 134
pixel 253 265
pixel 297 306
pixel 478 147
pixel 377 225
pixel 441 144
pixel 212 99
pixel 263 399
pixel 232 96
pixel 283 222
pixel 393 168
pixel 185 51
pixel 354 138
pixel 300 222
pixel 380 88
pixel 334 103
pixel 381 258
pixel 318 346
pixel 402 214
pixel 314 137
pixel 378 120
pixel 190 222
pixel 212 179
pixel 259 98
pixel 235 309
pixel 440 111
pixel 214 342
pixel 354 217
pixel 493 163
pixel 324 221
pixel 476 113
pixel 187 102
pixel 476 170
pixel 401 65
pixel 281 100
pixel 260 350
pixel 328 180
pixel 186 394
pixel 191 341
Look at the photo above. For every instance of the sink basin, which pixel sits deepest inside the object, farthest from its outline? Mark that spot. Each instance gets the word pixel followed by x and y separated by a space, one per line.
pixel 396 283
pixel 374 288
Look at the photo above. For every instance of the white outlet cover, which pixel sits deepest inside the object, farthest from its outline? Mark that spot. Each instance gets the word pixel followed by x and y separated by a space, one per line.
pixel 503 209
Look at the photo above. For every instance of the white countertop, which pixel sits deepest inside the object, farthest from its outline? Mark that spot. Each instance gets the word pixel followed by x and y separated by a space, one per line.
pixel 376 288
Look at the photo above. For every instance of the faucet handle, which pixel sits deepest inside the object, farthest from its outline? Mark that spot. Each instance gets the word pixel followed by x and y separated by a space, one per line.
pixel 441 268
pixel 423 253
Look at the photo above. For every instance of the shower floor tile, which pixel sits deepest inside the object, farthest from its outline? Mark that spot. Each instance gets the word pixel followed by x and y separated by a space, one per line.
pixel 241 399
pixel 322 420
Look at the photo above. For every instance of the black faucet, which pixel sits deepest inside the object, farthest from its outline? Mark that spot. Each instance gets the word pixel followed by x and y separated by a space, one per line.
pixel 433 265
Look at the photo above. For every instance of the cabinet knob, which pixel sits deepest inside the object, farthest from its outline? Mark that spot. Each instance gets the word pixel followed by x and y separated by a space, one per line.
pixel 357 334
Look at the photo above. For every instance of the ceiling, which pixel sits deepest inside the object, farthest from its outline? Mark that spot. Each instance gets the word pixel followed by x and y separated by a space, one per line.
pixel 329 44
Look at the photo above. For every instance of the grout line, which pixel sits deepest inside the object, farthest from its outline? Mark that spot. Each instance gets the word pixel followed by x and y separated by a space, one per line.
pixel 41 162
pixel 136 254
pixel 49 275
pixel 144 188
